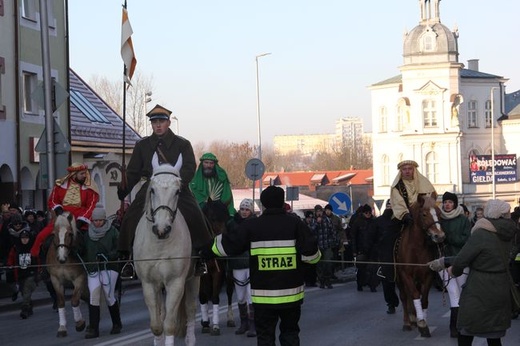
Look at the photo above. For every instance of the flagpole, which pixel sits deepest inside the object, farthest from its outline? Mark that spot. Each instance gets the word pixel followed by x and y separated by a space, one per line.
pixel 123 160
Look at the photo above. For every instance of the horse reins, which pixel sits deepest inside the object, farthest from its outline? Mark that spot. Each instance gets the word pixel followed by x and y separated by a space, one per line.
pixel 153 212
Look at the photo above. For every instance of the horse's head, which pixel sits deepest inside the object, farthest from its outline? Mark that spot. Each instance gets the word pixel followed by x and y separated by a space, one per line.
pixel 162 197
pixel 217 214
pixel 65 234
pixel 427 216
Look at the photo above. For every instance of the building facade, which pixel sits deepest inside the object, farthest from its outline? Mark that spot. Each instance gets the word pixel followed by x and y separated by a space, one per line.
pixel 442 114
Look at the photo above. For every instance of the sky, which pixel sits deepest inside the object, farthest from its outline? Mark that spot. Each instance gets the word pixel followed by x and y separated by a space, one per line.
pixel 325 54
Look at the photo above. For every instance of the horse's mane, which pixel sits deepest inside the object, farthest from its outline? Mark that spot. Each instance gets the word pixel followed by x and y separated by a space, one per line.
pixel 216 210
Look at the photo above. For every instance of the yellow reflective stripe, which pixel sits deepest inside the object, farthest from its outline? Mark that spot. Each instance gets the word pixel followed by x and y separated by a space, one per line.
pixel 273 243
pixel 273 251
pixel 312 259
pixel 217 247
pixel 290 295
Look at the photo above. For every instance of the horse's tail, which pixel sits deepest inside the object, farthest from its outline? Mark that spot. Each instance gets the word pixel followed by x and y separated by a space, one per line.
pixel 182 318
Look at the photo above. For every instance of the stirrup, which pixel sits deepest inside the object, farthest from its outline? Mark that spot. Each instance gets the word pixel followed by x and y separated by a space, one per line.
pixel 201 268
pixel 128 271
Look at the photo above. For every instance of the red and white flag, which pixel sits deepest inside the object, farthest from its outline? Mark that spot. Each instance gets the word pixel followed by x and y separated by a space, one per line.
pixel 127 48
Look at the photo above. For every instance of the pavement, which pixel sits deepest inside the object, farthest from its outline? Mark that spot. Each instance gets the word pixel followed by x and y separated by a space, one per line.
pixel 41 296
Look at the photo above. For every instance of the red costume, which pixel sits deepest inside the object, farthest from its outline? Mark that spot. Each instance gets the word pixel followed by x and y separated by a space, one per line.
pixel 77 198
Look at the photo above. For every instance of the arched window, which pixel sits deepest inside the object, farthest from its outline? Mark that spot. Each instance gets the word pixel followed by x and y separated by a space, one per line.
pixel 383 119
pixel 432 167
pixel 385 171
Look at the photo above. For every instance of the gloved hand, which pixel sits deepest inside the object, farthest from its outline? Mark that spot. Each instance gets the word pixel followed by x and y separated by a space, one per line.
pixel 437 265
pixel 58 210
pixel 407 219
pixel 121 193
pixel 206 253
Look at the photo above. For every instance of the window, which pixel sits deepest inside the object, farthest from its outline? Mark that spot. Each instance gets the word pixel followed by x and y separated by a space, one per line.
pixel 385 171
pixel 87 108
pixel 429 113
pixel 488 113
pixel 432 170
pixel 29 9
pixel 472 114
pixel 382 119
pixel 29 85
pixel 401 115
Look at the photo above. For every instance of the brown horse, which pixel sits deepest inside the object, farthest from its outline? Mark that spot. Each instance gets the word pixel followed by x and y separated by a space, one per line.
pixel 417 246
pixel 64 267
pixel 212 282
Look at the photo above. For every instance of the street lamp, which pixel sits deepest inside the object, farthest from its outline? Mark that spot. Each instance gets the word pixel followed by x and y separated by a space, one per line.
pixel 492 96
pixel 146 99
pixel 176 123
pixel 258 116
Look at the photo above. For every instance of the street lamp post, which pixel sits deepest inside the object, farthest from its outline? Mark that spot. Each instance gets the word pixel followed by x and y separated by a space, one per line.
pixel 492 97
pixel 147 98
pixel 176 123
pixel 258 117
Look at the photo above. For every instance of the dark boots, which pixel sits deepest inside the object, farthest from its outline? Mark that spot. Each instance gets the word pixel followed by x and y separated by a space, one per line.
pixel 453 323
pixel 116 318
pixel 93 317
pixel 252 329
pixel 244 325
pixel 27 311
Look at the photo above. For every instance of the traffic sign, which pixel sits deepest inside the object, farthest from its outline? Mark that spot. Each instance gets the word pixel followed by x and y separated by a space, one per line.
pixel 341 203
pixel 255 169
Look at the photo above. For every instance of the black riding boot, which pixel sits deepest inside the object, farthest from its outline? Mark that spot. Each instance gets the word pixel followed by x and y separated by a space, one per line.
pixel 252 328
pixel 454 333
pixel 244 325
pixel 116 318
pixel 93 318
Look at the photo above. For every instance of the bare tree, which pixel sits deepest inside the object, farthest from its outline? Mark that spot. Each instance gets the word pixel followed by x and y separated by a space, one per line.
pixel 136 97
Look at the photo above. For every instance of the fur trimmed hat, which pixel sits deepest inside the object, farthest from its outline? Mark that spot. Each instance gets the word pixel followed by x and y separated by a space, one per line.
pixel 448 196
pixel 496 208
pixel 273 197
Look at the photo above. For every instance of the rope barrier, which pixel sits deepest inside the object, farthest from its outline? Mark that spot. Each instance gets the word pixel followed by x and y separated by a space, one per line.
pixel 197 257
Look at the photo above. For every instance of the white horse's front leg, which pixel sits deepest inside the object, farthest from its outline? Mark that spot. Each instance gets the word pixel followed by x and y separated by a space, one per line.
pixel 154 303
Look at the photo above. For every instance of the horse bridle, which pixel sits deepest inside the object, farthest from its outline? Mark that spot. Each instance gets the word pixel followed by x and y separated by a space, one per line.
pixel 153 212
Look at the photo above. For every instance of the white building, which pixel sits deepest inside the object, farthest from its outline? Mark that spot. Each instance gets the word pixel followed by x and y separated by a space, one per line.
pixel 439 113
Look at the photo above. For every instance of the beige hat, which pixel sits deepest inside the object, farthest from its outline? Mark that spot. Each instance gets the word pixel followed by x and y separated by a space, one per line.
pixel 407 162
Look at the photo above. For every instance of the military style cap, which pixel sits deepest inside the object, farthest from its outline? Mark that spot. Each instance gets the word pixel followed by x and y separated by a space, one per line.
pixel 159 112
pixel 407 162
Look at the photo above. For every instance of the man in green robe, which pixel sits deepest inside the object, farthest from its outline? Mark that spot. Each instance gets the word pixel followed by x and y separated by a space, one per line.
pixel 211 181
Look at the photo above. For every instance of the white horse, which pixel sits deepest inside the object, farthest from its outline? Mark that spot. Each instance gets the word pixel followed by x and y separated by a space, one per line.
pixel 162 255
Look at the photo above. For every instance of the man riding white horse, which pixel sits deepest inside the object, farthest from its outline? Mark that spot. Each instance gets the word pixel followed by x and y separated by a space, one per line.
pixel 166 147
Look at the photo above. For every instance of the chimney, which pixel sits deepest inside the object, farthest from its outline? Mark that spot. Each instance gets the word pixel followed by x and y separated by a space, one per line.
pixel 473 64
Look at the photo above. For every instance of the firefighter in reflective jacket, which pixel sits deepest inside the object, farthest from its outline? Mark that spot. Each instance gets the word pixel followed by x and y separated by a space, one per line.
pixel 278 243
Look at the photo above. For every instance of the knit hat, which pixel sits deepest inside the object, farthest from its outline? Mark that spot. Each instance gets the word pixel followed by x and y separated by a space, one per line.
pixel 29 212
pixel 246 203
pixel 496 209
pixel 366 208
pixel 318 207
pixel 273 197
pixel 448 196
pixel 25 234
pixel 99 213
pixel 329 207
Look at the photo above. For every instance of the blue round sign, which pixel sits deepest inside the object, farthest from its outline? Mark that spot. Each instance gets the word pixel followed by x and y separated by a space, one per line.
pixel 341 203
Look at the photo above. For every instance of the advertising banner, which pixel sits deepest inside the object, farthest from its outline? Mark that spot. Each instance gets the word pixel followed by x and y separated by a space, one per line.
pixel 481 168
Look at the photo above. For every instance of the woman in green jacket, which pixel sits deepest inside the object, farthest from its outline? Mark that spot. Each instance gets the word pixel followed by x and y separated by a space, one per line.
pixel 457 228
pixel 100 254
